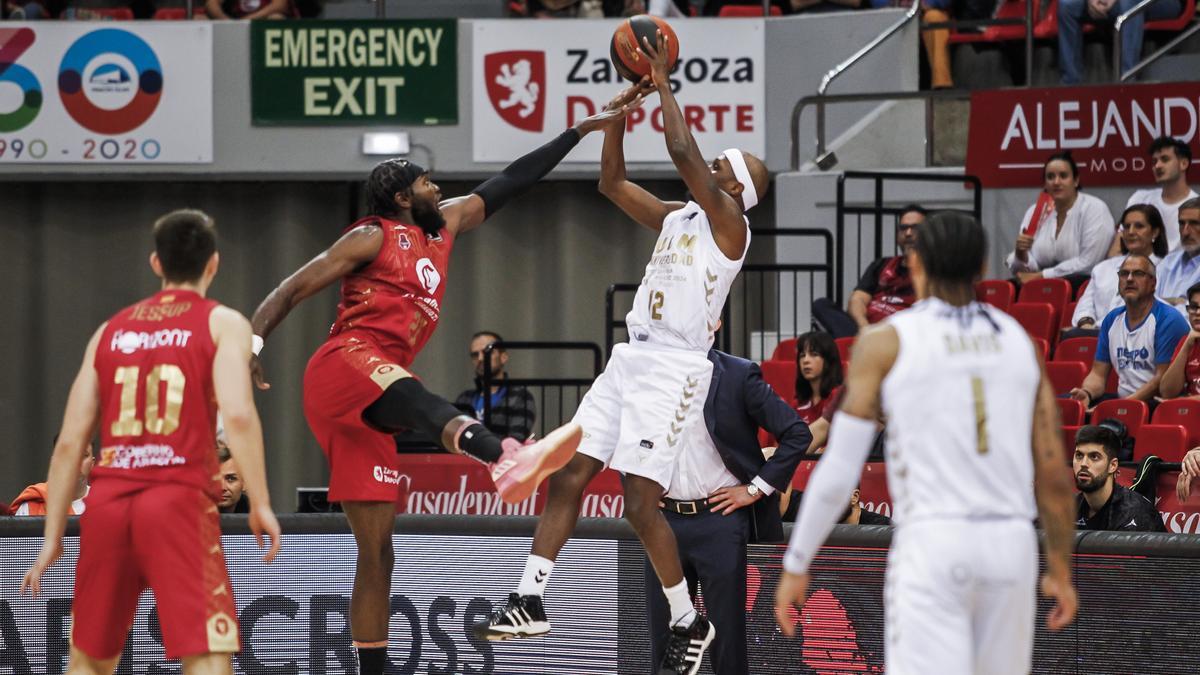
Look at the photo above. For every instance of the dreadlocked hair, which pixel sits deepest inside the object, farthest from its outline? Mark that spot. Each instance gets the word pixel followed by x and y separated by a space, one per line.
pixel 387 178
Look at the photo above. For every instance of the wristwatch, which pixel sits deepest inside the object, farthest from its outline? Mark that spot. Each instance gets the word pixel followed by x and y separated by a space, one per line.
pixel 752 490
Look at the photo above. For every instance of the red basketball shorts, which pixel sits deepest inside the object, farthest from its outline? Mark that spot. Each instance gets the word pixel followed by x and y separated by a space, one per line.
pixel 343 378
pixel 162 536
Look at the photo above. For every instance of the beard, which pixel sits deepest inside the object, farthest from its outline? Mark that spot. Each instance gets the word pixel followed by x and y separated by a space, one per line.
pixel 1090 485
pixel 428 218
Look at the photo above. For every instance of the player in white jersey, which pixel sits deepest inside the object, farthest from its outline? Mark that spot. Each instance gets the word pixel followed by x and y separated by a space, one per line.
pixel 635 416
pixel 972 428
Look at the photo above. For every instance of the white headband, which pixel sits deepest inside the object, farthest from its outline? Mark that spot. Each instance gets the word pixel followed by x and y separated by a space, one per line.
pixel 742 173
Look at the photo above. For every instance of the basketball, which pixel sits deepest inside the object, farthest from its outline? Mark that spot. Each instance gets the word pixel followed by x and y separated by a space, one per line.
pixel 628 37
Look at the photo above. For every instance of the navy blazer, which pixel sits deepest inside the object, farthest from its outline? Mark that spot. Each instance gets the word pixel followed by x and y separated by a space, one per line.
pixel 739 402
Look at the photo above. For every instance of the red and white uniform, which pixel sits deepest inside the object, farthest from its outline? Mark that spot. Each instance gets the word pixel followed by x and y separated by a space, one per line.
pixel 151 518
pixel 388 311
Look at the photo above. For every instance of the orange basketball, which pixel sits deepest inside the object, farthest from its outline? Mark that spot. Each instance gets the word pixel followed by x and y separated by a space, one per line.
pixel 628 37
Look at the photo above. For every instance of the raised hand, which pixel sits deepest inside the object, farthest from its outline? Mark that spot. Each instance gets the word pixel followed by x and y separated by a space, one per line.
pixel 657 55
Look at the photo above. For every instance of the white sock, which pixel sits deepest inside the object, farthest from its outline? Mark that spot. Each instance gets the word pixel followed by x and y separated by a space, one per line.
pixel 536 576
pixel 682 610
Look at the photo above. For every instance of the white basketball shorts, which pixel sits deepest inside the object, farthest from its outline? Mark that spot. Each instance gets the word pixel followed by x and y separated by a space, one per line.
pixel 636 412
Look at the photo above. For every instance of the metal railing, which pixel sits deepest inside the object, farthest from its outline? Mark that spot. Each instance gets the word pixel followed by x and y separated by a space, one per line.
pixel 876 210
pixel 555 398
pixel 1118 74
pixel 767 301
pixel 826 161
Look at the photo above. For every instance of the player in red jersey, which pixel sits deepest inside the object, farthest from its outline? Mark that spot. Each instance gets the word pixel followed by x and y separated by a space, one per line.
pixel 152 379
pixel 357 387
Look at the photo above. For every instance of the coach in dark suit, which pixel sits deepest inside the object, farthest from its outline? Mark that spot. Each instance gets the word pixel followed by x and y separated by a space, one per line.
pixel 725 495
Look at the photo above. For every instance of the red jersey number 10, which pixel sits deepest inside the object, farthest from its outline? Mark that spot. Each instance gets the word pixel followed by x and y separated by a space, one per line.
pixel 160 419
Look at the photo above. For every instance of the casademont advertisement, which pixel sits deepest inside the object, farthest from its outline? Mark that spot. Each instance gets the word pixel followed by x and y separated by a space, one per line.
pixel 354 72
pixel 1107 129
pixel 531 80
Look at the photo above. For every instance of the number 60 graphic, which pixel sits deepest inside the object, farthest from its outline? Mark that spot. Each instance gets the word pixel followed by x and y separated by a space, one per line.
pixel 73 89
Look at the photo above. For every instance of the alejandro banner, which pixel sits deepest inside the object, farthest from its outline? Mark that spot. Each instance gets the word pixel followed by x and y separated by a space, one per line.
pixel 1108 130
pixel 531 80
pixel 354 72
pixel 75 92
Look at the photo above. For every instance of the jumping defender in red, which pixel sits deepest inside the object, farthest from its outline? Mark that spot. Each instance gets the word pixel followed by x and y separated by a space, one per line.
pixel 357 387
pixel 152 379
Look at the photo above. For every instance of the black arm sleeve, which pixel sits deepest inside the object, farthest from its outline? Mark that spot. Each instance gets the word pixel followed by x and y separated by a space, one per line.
pixel 523 173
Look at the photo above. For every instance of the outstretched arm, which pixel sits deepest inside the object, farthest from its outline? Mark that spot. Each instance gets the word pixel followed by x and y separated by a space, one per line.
pixel 355 248
pixel 729 228
pixel 636 202
pixel 468 212
pixel 79 423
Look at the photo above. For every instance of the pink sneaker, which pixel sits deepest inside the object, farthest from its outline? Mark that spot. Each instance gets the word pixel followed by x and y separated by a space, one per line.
pixel 521 468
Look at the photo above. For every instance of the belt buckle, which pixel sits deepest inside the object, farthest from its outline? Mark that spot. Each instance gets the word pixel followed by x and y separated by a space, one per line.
pixel 683 508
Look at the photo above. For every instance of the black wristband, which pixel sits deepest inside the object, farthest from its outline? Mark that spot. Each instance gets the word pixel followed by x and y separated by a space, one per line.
pixel 525 172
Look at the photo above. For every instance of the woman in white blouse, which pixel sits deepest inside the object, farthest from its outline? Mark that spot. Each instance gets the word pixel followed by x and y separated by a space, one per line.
pixel 1141 232
pixel 1072 238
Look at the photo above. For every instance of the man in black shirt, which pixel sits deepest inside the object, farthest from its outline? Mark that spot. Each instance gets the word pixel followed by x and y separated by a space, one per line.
pixel 513 409
pixel 1102 503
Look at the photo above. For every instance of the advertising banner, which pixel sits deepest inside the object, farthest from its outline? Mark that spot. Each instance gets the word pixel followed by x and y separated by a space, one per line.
pixel 1108 130
pixel 106 92
pixel 531 80
pixel 354 72
pixel 454 485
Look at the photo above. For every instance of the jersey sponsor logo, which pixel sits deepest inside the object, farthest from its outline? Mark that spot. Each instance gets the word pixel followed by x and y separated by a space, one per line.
pixel 128 342
pixel 428 275
pixel 140 456
pixel 404 242
pixel 516 86
pixel 385 475
pixel 1134 359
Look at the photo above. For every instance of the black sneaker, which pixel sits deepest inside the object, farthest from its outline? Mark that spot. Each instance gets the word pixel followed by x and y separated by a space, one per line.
pixel 523 616
pixel 687 646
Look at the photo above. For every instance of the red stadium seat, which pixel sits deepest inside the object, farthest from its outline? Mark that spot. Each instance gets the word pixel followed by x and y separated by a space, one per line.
pixel 785 350
pixel 112 13
pixel 1009 9
pixel 844 346
pixel 1065 375
pixel 1071 411
pixel 1080 349
pixel 1056 292
pixel 1132 413
pixel 1043 347
pixel 1178 23
pixel 781 375
pixel 1168 441
pixel 1184 412
pixel 746 11
pixel 1068 311
pixel 1068 433
pixel 1037 318
pixel 178 13
pixel 995 292
pixel 1084 285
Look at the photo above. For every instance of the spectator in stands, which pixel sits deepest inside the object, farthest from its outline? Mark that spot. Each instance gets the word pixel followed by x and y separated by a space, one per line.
pixel 233 496
pixel 1169 160
pixel 513 409
pixel 937 42
pixel 1073 13
pixel 1181 268
pixel 249 9
pixel 1071 238
pixel 1189 473
pixel 1140 233
pixel 1103 503
pixel 818 374
pixel 32 500
pixel 1137 339
pixel 722 496
pixel 856 515
pixel 1183 375
pixel 33 10
pixel 552 9
pixel 669 9
pixel 884 289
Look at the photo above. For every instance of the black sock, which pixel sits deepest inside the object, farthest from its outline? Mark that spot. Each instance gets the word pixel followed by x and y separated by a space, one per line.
pixel 480 443
pixel 371 660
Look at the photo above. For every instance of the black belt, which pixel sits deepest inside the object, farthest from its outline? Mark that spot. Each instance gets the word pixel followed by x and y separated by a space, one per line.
pixel 687 507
